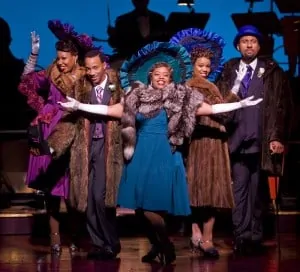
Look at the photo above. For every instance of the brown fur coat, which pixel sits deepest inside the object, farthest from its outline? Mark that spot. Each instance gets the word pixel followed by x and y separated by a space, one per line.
pixel 179 101
pixel 207 163
pixel 276 106
pixel 72 133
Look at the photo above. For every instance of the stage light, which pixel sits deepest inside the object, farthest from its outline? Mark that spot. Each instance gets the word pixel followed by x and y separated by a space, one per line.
pixel 185 2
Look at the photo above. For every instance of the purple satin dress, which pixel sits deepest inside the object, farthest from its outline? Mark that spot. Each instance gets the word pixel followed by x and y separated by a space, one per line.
pixel 49 113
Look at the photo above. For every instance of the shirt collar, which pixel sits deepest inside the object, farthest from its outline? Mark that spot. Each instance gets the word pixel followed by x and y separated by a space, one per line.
pixel 103 83
pixel 244 65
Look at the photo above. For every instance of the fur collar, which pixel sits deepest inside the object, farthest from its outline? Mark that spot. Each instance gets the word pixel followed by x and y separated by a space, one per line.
pixel 65 82
pixel 209 90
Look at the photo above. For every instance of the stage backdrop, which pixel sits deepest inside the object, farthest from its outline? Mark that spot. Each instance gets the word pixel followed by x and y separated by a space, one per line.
pixel 91 16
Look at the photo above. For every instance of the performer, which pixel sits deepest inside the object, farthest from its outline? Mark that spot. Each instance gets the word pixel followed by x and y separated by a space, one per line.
pixel 158 115
pixel 105 159
pixel 43 89
pixel 209 177
pixel 256 133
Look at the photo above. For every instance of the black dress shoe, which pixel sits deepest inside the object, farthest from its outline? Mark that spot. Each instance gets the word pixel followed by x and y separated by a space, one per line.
pixel 105 253
pixel 95 252
pixel 257 247
pixel 116 248
pixel 241 246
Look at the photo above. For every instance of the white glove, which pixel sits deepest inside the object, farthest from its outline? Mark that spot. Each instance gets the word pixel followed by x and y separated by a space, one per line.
pixel 73 105
pixel 32 60
pixel 249 102
pixel 237 82
pixel 227 107
pixel 35 43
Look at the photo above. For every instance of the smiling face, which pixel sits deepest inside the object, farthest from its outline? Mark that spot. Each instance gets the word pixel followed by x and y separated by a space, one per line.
pixel 202 67
pixel 66 56
pixel 160 75
pixel 95 69
pixel 65 61
pixel 201 59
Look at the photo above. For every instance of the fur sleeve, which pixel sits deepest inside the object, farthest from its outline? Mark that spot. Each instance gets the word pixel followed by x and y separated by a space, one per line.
pixel 131 104
pixel 181 108
pixel 281 111
pixel 193 101
pixel 63 134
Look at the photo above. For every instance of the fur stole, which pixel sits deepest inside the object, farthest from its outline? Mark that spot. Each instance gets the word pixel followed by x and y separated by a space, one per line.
pixel 179 101
pixel 65 82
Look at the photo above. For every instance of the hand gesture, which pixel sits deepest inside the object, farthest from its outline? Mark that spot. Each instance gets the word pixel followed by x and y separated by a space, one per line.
pixel 239 77
pixel 35 43
pixel 276 147
pixel 249 102
pixel 71 105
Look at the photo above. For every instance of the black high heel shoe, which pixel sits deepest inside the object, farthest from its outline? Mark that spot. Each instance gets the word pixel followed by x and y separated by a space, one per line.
pixel 167 254
pixel 151 255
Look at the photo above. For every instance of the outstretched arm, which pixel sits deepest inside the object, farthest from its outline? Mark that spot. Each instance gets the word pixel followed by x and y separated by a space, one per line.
pixel 115 110
pixel 206 109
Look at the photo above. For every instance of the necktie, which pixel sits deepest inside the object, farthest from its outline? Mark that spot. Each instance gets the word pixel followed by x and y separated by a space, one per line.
pixel 98 133
pixel 99 93
pixel 246 81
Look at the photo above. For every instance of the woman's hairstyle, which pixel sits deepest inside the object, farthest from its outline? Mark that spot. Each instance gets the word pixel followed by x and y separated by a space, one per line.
pixel 159 65
pixel 66 46
pixel 200 52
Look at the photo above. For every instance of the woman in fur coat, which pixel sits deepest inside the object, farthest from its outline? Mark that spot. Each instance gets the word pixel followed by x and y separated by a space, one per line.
pixel 64 77
pixel 157 114
pixel 207 162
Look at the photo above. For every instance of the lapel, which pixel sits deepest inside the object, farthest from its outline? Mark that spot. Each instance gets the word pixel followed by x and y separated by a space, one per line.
pixel 93 96
pixel 106 94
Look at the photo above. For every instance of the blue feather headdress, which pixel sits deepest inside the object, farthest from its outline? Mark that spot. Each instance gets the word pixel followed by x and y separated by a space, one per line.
pixel 138 66
pixel 192 38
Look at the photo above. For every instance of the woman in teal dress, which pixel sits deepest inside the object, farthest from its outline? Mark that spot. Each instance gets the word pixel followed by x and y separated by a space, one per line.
pixel 157 113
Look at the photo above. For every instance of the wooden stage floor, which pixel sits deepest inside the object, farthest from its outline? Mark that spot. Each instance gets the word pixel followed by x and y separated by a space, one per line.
pixel 19 254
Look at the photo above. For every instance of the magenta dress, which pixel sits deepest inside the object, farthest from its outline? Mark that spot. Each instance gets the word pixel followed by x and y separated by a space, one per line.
pixel 49 115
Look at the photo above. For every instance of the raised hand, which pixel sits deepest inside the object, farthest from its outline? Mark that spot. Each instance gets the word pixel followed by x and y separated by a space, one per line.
pixel 237 82
pixel 71 105
pixel 35 43
pixel 249 102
